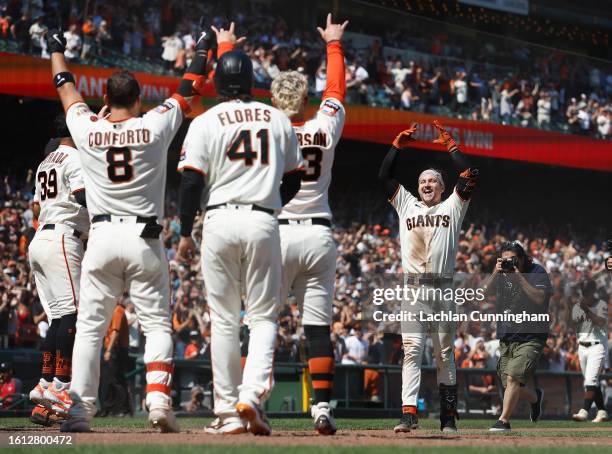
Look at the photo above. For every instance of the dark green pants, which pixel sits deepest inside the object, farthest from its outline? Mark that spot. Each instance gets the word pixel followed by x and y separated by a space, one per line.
pixel 518 359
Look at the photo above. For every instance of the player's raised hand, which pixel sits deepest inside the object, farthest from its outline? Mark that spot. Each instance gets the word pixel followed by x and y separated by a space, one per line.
pixel 56 42
pixel 186 249
pixel 444 137
pixel 405 137
pixel 228 35
pixel 332 32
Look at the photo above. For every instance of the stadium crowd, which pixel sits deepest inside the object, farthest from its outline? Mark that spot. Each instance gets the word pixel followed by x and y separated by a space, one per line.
pixel 364 250
pixel 502 81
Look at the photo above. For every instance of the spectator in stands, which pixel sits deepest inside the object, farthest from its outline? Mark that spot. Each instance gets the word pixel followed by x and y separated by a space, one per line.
pixel 10 386
pixel 197 400
pixel 602 120
pixel 544 108
pixel 5 24
pixel 584 119
pixel 193 349
pixel 133 327
pixel 356 82
pixel 171 46
pixel 459 88
pixel 103 37
pixel 356 347
pixel 371 377
pixel 37 32
pixel 89 31
pixel 183 322
pixel 114 392
pixel 506 107
pixel 73 44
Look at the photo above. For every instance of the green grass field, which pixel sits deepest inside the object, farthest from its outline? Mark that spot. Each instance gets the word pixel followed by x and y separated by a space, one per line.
pixel 558 435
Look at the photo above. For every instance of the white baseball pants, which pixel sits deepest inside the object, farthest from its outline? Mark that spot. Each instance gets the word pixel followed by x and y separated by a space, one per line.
pixel 241 250
pixel 55 258
pixel 592 361
pixel 119 260
pixel 309 268
pixel 414 335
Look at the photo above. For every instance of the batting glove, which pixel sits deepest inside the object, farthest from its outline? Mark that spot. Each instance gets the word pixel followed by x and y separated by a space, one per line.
pixel 405 137
pixel 56 41
pixel 445 138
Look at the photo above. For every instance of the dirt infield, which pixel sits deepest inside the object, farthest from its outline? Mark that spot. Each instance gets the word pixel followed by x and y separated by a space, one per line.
pixel 466 437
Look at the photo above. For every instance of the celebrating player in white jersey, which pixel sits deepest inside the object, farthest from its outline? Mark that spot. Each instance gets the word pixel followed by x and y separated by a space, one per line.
pixel 243 149
pixel 124 169
pixel 309 252
pixel 429 234
pixel 55 256
pixel 590 316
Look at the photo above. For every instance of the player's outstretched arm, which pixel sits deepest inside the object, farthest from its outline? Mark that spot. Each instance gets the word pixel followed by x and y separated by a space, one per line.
pixel 387 169
pixel 336 78
pixel 63 79
pixel 468 175
pixel 193 80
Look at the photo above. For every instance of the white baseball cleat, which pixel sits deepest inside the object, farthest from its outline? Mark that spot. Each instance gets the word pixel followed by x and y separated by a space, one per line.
pixel 57 397
pixel 75 425
pixel 581 416
pixel 231 425
pixel 602 416
pixel 323 420
pixel 257 422
pixel 37 394
pixel 164 420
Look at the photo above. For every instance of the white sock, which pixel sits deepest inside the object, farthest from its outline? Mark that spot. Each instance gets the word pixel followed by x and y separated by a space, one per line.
pixel 60 385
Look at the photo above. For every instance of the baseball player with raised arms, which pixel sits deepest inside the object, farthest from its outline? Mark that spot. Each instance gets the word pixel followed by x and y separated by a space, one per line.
pixel 55 256
pixel 308 249
pixel 247 153
pixel 123 158
pixel 429 234
pixel 590 316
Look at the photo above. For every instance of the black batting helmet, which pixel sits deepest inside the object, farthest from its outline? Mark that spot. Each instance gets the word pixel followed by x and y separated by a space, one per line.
pixel 234 74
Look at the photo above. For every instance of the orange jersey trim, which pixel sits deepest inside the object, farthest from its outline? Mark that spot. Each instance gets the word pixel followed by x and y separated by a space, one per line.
pixel 336 81
pixel 195 169
pixel 224 46
pixel 394 194
pixel 185 107
pixel 297 169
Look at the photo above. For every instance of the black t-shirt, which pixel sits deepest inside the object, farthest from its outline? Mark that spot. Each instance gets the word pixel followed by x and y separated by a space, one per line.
pixel 512 299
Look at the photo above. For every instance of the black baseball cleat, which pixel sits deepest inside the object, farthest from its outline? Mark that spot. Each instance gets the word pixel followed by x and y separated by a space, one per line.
pixel 536 408
pixel 408 421
pixel 500 427
pixel 447 424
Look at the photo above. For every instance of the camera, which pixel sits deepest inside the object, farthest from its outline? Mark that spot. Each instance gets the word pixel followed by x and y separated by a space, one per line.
pixel 507 265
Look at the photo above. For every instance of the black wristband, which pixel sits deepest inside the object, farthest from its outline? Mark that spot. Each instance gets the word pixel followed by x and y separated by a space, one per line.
pixel 63 78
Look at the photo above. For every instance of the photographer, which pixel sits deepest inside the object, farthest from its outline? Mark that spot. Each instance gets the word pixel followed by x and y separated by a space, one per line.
pixel 520 286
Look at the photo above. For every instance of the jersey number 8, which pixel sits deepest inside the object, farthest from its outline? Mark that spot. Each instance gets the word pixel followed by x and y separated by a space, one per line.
pixel 119 167
pixel 48 184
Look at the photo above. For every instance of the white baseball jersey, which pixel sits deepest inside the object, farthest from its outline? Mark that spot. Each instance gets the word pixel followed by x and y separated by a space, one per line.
pixel 124 162
pixel 318 139
pixel 58 178
pixel 586 329
pixel 429 235
pixel 243 149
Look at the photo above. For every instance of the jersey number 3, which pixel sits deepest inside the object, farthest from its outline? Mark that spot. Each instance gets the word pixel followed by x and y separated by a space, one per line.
pixel 313 157
pixel 119 167
pixel 242 147
pixel 48 184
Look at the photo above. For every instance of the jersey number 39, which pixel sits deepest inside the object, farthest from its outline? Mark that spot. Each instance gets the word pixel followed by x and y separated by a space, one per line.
pixel 48 184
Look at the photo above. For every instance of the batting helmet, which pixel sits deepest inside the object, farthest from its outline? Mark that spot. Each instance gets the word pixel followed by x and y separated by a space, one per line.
pixel 234 74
